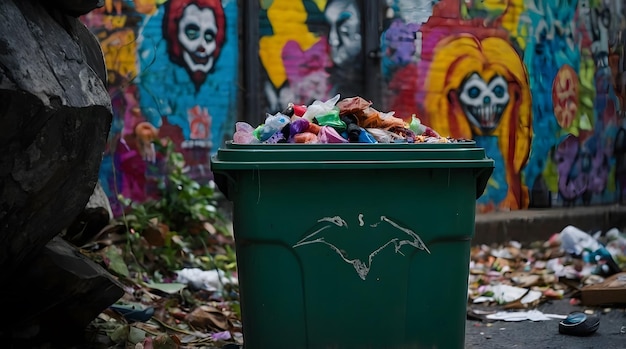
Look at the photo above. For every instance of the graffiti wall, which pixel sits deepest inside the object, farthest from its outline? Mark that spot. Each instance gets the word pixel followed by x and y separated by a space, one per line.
pixel 538 83
pixel 171 67
pixel 310 50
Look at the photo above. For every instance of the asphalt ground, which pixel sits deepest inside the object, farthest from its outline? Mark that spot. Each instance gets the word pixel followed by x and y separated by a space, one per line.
pixel 487 334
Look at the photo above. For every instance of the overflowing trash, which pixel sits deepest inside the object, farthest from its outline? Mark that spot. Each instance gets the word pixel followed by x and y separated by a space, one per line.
pixel 351 120
pixel 512 280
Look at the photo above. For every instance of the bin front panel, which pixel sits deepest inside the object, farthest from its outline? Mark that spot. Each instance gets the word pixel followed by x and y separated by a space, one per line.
pixel 364 258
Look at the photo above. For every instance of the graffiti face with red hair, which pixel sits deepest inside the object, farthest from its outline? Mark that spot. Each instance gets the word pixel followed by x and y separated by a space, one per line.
pixel 195 32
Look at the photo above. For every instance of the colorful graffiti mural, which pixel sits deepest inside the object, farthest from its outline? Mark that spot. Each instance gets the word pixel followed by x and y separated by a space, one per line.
pixel 168 64
pixel 537 83
pixel 311 54
pixel 479 89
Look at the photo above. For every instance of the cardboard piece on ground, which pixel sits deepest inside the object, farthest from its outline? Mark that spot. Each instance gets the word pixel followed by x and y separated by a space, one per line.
pixel 610 291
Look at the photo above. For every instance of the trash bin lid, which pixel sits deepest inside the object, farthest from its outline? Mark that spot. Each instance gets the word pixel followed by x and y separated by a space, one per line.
pixel 289 156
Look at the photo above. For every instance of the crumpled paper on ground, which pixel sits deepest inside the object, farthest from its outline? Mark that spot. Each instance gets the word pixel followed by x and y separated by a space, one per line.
pixel 506 294
pixel 210 280
pixel 532 315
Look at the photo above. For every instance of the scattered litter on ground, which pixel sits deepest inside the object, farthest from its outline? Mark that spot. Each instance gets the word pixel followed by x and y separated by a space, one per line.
pixel 508 282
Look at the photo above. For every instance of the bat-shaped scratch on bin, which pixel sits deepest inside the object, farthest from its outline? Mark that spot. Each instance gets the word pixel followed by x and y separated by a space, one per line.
pixel 362 268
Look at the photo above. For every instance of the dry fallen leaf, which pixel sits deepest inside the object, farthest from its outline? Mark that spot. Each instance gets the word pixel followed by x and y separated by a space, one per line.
pixel 155 233
pixel 209 318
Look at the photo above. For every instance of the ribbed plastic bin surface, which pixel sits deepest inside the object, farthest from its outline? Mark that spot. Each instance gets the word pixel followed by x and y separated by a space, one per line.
pixel 353 245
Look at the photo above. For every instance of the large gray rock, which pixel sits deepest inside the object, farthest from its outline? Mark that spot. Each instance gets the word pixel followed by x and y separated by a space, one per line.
pixel 92 220
pixel 55 113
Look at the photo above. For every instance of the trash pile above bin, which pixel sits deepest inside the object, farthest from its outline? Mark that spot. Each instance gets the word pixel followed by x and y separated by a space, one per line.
pixel 351 120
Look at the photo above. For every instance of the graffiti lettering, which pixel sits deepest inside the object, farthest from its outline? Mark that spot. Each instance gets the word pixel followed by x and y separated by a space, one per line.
pixel 565 96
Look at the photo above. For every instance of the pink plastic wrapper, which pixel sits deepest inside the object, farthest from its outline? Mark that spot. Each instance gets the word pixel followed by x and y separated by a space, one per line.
pixel 329 135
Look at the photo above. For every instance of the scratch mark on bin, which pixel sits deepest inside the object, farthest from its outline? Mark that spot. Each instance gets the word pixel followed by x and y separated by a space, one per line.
pixel 407 237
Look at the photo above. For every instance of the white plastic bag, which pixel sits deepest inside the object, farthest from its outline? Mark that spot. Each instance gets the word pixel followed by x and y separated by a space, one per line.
pixel 320 108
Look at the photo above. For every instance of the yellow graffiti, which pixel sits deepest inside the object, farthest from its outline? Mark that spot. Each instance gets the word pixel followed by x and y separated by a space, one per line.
pixel 288 19
pixel 506 13
pixel 321 4
pixel 142 6
pixel 114 22
pixel 119 52
pixel 587 95
pixel 146 7
pixel 457 58
pixel 110 4
pixel 511 22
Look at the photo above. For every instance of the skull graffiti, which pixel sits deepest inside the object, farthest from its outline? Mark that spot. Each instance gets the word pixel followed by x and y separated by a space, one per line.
pixel 197 31
pixel 484 102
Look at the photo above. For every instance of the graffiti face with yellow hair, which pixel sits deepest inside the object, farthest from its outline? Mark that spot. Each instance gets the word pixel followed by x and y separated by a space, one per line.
pixel 478 88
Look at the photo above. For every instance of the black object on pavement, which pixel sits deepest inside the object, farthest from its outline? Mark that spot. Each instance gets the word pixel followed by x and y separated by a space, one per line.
pixel 578 323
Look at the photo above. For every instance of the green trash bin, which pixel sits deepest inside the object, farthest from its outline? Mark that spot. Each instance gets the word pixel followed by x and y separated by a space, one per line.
pixel 353 245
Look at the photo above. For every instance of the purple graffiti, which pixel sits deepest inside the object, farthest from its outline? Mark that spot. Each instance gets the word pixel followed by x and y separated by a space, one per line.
pixel 306 70
pixel 300 63
pixel 582 172
pixel 598 173
pixel 400 41
pixel 572 180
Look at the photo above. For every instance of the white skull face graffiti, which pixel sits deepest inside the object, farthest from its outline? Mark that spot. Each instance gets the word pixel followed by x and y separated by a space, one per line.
pixel 196 32
pixel 484 103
